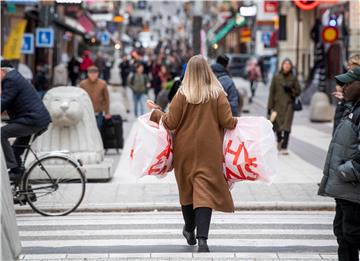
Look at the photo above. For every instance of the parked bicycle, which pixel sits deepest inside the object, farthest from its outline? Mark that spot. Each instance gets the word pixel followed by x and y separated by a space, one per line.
pixel 53 183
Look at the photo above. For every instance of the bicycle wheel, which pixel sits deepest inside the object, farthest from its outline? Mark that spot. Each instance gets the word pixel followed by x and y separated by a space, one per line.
pixel 54 186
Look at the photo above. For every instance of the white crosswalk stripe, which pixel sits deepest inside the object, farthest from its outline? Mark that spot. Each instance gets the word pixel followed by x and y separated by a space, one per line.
pixel 160 232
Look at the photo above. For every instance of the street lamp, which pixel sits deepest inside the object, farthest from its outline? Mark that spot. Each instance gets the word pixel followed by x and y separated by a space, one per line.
pixel 117 46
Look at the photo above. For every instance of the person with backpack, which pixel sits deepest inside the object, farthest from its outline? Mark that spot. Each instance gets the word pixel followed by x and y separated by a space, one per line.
pixel 341 179
pixel 219 69
pixel 138 83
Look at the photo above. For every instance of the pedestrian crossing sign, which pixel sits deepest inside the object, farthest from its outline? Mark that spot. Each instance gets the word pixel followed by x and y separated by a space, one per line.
pixel 28 44
pixel 45 37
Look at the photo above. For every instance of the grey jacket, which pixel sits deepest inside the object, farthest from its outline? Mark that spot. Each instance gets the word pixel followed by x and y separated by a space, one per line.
pixel 342 166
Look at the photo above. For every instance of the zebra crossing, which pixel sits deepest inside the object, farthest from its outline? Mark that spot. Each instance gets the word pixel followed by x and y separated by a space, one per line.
pixel 156 234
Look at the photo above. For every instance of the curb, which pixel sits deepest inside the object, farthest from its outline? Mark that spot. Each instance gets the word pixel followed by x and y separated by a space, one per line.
pixel 239 206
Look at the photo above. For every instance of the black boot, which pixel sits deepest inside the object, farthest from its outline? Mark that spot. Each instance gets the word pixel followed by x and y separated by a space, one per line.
pixel 202 245
pixel 190 237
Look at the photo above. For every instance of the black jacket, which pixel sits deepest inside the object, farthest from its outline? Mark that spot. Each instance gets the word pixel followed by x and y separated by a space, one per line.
pixel 229 87
pixel 22 102
pixel 342 167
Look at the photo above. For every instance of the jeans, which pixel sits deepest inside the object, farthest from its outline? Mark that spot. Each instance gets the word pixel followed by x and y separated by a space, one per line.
pixel 22 133
pixel 347 229
pixel 99 120
pixel 139 104
pixel 199 218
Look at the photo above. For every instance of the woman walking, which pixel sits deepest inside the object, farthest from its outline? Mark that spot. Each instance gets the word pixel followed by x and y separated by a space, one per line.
pixel 283 91
pixel 199 113
pixel 138 83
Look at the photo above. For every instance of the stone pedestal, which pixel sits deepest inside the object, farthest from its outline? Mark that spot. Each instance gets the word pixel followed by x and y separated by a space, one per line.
pixel 74 129
pixel 320 108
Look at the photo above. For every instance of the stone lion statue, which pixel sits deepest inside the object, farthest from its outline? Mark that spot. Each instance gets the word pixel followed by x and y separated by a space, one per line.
pixel 73 126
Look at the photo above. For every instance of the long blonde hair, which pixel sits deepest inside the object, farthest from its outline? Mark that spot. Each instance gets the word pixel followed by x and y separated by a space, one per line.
pixel 199 84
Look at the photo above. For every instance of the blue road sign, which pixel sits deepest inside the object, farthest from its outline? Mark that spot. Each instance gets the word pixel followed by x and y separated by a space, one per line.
pixel 105 38
pixel 28 44
pixel 45 37
pixel 265 38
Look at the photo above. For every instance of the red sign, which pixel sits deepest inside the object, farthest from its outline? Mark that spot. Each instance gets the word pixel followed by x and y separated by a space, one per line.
pixel 271 6
pixel 329 34
pixel 307 4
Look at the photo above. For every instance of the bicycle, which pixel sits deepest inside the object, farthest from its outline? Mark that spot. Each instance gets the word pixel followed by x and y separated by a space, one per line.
pixel 53 184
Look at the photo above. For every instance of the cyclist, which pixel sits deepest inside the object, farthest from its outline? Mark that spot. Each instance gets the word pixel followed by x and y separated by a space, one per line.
pixel 28 115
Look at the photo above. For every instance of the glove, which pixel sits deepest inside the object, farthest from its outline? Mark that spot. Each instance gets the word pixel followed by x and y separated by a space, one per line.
pixel 287 88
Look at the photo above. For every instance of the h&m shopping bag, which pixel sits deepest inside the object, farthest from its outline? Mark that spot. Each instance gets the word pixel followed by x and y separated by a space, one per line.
pixel 151 151
pixel 250 151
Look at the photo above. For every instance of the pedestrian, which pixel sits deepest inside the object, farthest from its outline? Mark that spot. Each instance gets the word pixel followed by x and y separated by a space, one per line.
pixel 138 83
pixel 41 81
pixel 99 95
pixel 28 115
pixel 341 179
pixel 220 70
pixel 199 113
pixel 100 63
pixel 156 78
pixel 73 70
pixel 253 74
pixel 353 62
pixel 124 70
pixel 284 89
pixel 85 63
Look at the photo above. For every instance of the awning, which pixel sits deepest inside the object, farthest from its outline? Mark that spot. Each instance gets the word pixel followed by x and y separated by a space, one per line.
pixel 71 25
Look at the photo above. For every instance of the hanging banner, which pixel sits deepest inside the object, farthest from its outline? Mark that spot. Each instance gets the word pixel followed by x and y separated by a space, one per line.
pixel 12 48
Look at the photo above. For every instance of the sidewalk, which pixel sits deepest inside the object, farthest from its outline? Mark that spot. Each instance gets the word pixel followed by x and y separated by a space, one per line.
pixel 294 188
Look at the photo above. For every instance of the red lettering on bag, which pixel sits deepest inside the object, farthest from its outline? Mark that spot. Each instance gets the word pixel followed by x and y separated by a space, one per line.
pixel 249 162
pixel 164 155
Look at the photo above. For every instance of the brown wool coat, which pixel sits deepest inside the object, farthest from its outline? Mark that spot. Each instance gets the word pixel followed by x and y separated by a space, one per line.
pixel 198 157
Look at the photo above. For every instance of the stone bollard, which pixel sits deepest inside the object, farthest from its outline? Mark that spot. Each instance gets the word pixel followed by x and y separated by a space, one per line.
pixel 320 108
pixel 74 129
pixel 10 240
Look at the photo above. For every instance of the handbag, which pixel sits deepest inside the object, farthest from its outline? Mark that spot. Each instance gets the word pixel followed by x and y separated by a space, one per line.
pixel 297 106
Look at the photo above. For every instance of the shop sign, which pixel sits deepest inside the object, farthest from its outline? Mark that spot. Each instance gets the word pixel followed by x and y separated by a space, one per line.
pixel 271 6
pixel 306 4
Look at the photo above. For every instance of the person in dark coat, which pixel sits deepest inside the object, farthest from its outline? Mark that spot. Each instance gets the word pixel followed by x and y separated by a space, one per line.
pixel 343 106
pixel 73 70
pixel 284 89
pixel 27 113
pixel 124 70
pixel 219 69
pixel 341 179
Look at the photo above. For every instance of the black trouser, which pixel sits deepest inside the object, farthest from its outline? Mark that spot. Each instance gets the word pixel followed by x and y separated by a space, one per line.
pixel 22 133
pixel 283 137
pixel 124 80
pixel 199 218
pixel 347 229
pixel 73 81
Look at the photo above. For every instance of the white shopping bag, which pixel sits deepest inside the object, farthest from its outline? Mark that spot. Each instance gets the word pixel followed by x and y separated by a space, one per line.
pixel 250 151
pixel 151 152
